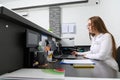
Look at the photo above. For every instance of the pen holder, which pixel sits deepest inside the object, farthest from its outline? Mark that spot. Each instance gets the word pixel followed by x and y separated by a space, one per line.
pixel 49 57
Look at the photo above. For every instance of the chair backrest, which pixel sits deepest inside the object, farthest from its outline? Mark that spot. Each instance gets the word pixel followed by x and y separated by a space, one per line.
pixel 118 57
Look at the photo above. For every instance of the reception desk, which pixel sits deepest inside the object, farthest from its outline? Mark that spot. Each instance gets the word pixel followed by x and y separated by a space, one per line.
pixel 100 70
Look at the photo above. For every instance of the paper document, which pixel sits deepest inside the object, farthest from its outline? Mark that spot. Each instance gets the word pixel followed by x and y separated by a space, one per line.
pixel 82 61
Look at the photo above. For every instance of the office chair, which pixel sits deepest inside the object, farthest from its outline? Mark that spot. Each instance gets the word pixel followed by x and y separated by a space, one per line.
pixel 118 57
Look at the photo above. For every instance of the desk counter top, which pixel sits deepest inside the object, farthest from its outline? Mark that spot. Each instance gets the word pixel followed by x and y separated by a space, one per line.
pixel 100 70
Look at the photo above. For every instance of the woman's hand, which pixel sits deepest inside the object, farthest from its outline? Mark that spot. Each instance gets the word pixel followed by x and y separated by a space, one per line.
pixel 74 53
pixel 84 55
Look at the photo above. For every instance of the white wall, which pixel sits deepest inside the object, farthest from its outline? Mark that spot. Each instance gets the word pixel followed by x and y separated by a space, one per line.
pixel 79 15
pixel 40 16
pixel 111 14
pixel 108 10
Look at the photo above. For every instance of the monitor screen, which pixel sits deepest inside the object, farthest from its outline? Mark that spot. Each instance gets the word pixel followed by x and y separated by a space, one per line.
pixel 32 38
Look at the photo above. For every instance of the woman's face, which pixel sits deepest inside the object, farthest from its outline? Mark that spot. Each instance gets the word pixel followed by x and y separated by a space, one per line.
pixel 89 26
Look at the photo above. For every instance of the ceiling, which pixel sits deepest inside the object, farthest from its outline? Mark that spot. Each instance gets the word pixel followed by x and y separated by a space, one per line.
pixel 6 1
pixel 26 3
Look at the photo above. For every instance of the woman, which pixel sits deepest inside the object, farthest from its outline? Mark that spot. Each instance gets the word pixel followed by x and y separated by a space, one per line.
pixel 103 44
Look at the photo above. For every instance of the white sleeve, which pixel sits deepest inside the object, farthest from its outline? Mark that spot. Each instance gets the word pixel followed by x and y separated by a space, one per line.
pixel 105 49
pixel 82 53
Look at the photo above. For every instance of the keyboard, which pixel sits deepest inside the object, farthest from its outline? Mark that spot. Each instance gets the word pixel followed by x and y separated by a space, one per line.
pixel 64 56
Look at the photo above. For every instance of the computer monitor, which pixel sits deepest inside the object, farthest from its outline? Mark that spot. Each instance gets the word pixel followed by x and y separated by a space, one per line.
pixel 32 38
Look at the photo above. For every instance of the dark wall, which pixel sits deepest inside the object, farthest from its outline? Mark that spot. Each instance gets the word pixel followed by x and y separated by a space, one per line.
pixel 12 44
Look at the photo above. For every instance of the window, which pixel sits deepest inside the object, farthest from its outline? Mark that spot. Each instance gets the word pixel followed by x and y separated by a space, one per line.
pixel 68 28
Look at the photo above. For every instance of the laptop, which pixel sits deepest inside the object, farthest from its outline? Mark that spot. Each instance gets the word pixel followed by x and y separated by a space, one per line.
pixel 61 55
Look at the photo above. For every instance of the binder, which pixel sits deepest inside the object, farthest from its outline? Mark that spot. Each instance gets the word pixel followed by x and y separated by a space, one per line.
pixel 83 66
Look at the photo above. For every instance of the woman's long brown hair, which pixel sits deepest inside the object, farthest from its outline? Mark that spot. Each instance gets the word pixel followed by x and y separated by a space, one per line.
pixel 99 25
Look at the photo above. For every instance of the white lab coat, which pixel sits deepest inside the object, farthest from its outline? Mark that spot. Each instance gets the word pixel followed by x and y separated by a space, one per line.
pixel 101 49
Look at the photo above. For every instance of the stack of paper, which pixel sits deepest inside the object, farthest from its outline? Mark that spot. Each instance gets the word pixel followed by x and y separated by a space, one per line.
pixel 84 63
